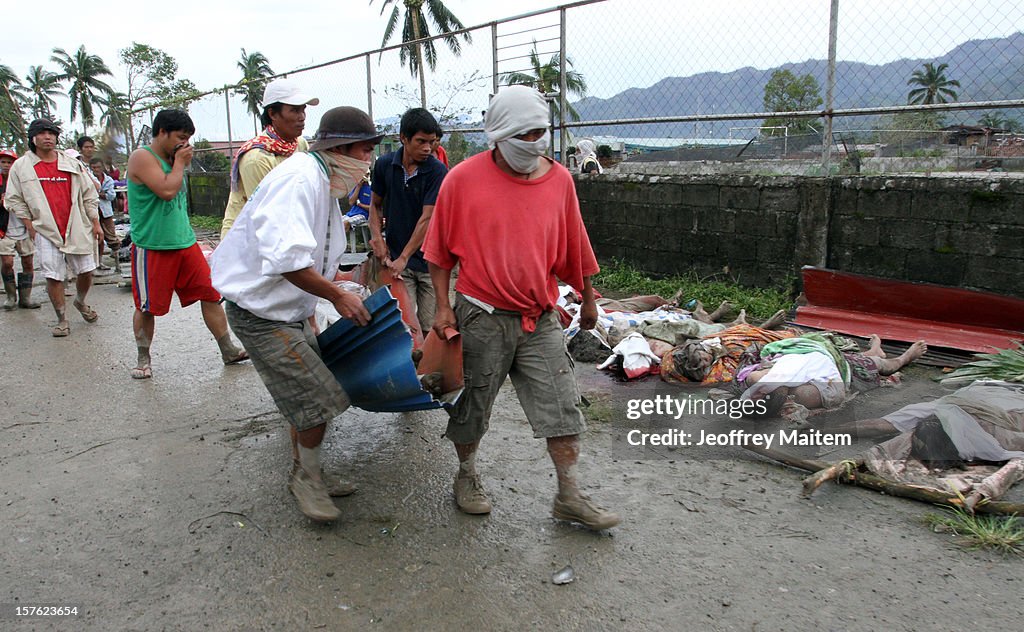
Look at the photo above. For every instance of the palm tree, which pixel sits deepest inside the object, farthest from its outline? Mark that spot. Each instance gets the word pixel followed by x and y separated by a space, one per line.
pixel 547 78
pixel 42 86
pixel 12 121
pixel 934 86
pixel 83 71
pixel 115 112
pixel 1000 121
pixel 255 69
pixel 415 27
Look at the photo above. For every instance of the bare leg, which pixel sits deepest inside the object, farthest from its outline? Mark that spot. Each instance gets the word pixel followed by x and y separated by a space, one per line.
pixel 143 325
pixel 570 504
pixel 777 320
pixel 741 319
pixel 875 347
pixel 83 283
pixel 565 452
pixel 217 322
pixel 699 314
pixel 295 443
pixel 865 428
pixel 467 457
pixel 55 290
pixel 719 313
pixel 888 366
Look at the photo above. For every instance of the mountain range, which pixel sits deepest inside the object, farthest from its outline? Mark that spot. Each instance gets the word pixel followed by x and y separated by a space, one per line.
pixel 988 69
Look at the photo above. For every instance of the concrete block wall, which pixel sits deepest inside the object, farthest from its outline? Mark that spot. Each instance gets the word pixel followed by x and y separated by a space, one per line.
pixel 208 193
pixel 964 232
pixel 759 230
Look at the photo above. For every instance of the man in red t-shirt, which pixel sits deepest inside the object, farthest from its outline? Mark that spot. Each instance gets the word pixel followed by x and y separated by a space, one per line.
pixel 506 293
pixel 55 198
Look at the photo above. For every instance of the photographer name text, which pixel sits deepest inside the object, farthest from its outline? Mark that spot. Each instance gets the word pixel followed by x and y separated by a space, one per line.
pixel 682 438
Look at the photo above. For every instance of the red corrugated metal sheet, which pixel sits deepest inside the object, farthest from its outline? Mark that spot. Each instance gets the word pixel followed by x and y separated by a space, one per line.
pixel 943 316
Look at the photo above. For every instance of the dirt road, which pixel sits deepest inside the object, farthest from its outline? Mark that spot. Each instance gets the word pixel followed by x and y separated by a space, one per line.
pixel 161 505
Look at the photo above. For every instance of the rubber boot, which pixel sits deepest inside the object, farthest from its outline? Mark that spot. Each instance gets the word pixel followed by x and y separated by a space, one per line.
pixel 115 255
pixel 12 293
pixel 25 291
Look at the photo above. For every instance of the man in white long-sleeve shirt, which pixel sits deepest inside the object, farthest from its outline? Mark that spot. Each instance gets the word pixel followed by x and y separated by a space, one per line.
pixel 281 254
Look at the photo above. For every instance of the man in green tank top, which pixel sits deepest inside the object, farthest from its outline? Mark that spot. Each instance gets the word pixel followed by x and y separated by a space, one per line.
pixel 165 256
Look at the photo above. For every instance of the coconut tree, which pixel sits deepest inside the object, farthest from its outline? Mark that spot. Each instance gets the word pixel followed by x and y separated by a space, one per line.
pixel 83 71
pixel 12 98
pixel 255 70
pixel 415 26
pixel 115 112
pixel 42 86
pixel 547 78
pixel 933 86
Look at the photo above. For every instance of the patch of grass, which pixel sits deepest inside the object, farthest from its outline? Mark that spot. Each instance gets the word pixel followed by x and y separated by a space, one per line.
pixel 599 410
pixel 206 222
pixel 760 303
pixel 1004 534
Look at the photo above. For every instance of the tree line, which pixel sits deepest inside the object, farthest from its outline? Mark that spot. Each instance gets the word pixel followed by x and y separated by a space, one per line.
pixel 786 92
pixel 149 74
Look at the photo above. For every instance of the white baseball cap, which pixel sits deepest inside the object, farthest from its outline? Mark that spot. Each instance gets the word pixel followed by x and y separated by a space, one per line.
pixel 286 91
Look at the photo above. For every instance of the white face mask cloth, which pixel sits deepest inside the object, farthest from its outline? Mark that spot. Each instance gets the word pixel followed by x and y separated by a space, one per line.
pixel 522 155
pixel 344 172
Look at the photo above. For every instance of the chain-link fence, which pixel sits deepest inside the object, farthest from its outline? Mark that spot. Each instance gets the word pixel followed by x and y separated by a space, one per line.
pixel 690 80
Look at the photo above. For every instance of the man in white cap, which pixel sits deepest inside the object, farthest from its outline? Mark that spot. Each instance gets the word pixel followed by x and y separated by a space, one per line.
pixel 283 253
pixel 506 294
pixel 283 119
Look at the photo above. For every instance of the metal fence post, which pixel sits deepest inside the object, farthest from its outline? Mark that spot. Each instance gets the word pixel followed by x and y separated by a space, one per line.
pixel 227 109
pixel 830 85
pixel 563 135
pixel 369 87
pixel 494 58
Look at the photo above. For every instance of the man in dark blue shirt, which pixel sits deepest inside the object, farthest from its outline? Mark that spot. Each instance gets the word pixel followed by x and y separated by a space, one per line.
pixel 405 186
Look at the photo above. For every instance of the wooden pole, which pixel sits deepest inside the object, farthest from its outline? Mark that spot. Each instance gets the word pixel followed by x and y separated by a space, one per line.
pixel 877 483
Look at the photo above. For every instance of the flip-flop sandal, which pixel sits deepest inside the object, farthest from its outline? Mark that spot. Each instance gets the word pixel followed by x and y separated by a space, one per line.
pixel 142 373
pixel 241 357
pixel 61 330
pixel 88 313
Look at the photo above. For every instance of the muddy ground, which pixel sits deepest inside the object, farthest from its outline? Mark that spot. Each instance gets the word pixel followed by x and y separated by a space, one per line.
pixel 161 505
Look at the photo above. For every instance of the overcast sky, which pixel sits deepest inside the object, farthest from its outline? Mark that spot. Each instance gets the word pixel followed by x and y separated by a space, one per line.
pixel 616 44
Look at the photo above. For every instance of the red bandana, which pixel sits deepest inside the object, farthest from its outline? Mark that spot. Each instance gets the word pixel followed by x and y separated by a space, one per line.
pixel 268 141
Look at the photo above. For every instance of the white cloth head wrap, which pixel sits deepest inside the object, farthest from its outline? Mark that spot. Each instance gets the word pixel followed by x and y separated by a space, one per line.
pixel 515 110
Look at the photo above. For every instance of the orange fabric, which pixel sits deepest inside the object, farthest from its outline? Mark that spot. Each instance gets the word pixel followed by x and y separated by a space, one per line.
pixel 735 340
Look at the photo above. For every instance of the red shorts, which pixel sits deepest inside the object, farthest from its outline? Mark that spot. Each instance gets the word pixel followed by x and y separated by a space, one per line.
pixel 157 274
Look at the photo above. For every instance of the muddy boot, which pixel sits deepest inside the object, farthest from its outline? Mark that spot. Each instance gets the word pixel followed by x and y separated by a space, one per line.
pixel 580 508
pixel 12 293
pixel 25 291
pixel 337 487
pixel 312 497
pixel 115 256
pixel 470 495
